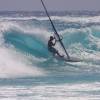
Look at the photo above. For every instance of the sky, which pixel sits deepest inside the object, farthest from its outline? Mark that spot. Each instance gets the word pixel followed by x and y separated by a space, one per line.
pixel 52 5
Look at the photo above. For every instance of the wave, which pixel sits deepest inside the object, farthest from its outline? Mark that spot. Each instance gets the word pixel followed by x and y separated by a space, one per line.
pixel 28 41
pixel 12 62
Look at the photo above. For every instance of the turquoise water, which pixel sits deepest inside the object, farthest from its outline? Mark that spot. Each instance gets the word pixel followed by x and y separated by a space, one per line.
pixel 28 71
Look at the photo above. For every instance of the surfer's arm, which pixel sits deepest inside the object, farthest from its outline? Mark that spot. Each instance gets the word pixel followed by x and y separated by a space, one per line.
pixel 60 38
pixel 56 40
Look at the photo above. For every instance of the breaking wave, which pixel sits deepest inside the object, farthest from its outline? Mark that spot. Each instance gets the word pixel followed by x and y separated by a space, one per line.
pixel 23 45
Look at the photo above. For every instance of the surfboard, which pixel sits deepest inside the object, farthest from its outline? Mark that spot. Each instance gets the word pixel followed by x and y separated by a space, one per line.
pixel 71 59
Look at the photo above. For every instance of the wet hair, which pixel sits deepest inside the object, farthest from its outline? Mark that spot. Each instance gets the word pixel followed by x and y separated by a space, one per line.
pixel 51 37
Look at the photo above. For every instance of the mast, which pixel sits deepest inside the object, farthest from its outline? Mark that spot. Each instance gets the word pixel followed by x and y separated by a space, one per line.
pixel 55 31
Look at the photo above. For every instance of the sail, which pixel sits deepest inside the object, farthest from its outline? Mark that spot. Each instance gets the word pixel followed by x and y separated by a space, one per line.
pixel 55 31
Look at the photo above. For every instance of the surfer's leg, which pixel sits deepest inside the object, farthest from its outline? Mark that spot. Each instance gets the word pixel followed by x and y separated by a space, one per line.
pixel 54 51
pixel 59 54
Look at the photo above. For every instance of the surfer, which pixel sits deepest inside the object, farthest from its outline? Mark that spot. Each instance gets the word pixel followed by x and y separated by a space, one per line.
pixel 51 45
pixel 50 42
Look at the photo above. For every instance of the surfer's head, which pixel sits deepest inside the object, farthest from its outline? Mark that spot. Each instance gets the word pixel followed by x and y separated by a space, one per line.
pixel 51 37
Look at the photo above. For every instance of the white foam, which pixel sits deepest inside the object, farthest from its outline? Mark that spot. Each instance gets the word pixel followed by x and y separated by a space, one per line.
pixel 81 91
pixel 14 64
pixel 40 33
pixel 94 41
pixel 82 19
pixel 79 19
pixel 23 18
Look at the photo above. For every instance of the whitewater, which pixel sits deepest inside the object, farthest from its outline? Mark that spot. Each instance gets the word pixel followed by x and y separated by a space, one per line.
pixel 28 71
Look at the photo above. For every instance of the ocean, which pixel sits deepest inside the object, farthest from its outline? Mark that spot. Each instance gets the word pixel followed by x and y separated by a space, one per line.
pixel 28 71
